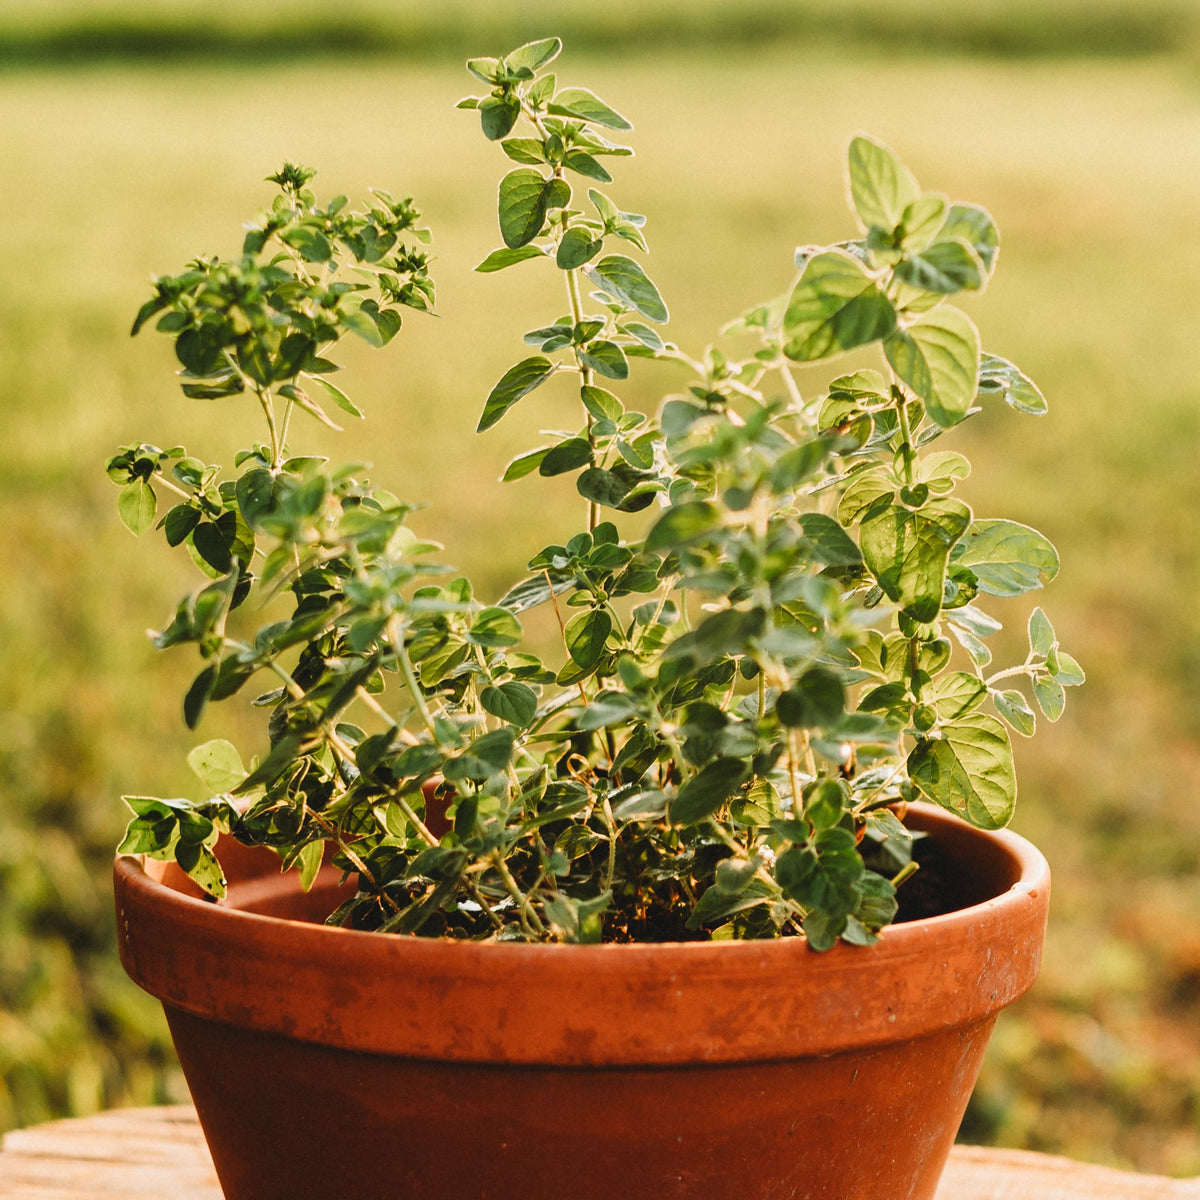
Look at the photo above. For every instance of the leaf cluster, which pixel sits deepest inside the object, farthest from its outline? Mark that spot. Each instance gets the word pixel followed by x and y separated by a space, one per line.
pixel 748 692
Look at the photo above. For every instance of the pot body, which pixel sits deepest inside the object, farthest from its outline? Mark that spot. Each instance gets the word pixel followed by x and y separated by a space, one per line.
pixel 326 1062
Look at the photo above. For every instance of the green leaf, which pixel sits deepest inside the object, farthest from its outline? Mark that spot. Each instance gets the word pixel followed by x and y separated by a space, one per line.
pixel 202 867
pixel 1014 708
pixel 835 306
pixel 312 244
pixel 281 756
pixel 908 552
pixel 517 382
pixel 309 860
pixel 484 757
pixel 624 280
pixel 535 590
pixel 944 267
pixel 585 635
pixel 643 334
pixel 524 464
pixel 938 357
pixel 218 765
pixel 997 376
pixel 137 505
pixel 979 654
pixel 605 358
pixel 1041 633
pixel 608 708
pixel 976 227
pixel 1050 696
pixel 1066 670
pixel 921 222
pixel 585 106
pixel 1007 558
pixel 602 405
pixel 881 186
pixel 968 770
pixel 179 522
pixel 534 55
pixel 513 702
pixel 830 543
pixel 576 248
pixel 716 905
pixel 824 876
pixel 336 394
pixel 208 391
pixel 613 488
pixel 703 794
pixel 499 259
pixel 954 695
pixel 683 523
pixel 798 464
pixel 524 199
pixel 816 698
pixel 495 627
pixel 196 697
pixel 584 164
pixel 498 115
pixel 566 456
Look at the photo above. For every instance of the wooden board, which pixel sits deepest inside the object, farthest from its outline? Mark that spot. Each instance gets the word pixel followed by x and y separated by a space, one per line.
pixel 159 1154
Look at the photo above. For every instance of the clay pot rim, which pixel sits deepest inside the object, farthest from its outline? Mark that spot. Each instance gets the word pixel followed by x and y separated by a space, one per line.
pixel 662 1002
pixel 1032 869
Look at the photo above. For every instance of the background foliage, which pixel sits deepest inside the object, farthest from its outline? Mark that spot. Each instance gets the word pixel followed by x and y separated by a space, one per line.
pixel 134 136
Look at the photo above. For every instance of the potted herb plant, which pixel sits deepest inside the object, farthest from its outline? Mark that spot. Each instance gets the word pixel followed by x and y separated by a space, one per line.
pixel 709 899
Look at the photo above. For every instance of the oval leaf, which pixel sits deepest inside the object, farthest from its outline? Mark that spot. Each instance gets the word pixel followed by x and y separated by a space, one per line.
pixel 834 307
pixel 997 376
pixel 136 505
pixel 908 552
pixel 585 635
pixel 624 280
pixel 513 702
pixel 707 790
pixel 1007 558
pixel 881 186
pixel 517 381
pixel 938 357
pixel 523 204
pixel 586 106
pixel 499 259
pixel 968 770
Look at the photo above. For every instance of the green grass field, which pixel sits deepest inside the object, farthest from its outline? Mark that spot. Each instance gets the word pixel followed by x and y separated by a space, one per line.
pixel 122 167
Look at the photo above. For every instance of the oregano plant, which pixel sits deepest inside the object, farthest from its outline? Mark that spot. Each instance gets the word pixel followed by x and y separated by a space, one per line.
pixel 773 619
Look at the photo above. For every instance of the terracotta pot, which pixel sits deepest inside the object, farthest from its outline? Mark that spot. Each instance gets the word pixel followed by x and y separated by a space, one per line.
pixel 329 1063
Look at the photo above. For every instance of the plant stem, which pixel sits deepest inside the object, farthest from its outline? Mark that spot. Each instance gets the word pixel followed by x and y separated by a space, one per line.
pixel 396 637
pixel 530 921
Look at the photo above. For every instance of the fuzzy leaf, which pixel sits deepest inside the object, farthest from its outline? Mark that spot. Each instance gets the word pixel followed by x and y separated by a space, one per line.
pixel 506 257
pixel 997 376
pixel 938 357
pixel 881 186
pixel 217 765
pixel 625 280
pixel 513 702
pixel 585 106
pixel 136 505
pixel 908 552
pixel 1007 558
pixel 835 306
pixel 968 770
pixel 707 790
pixel 517 381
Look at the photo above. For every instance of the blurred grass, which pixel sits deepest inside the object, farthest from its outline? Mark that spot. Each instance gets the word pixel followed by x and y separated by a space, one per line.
pixel 58 31
pixel 1091 167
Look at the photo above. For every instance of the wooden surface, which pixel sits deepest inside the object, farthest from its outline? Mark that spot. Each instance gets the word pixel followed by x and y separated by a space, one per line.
pixel 139 1153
